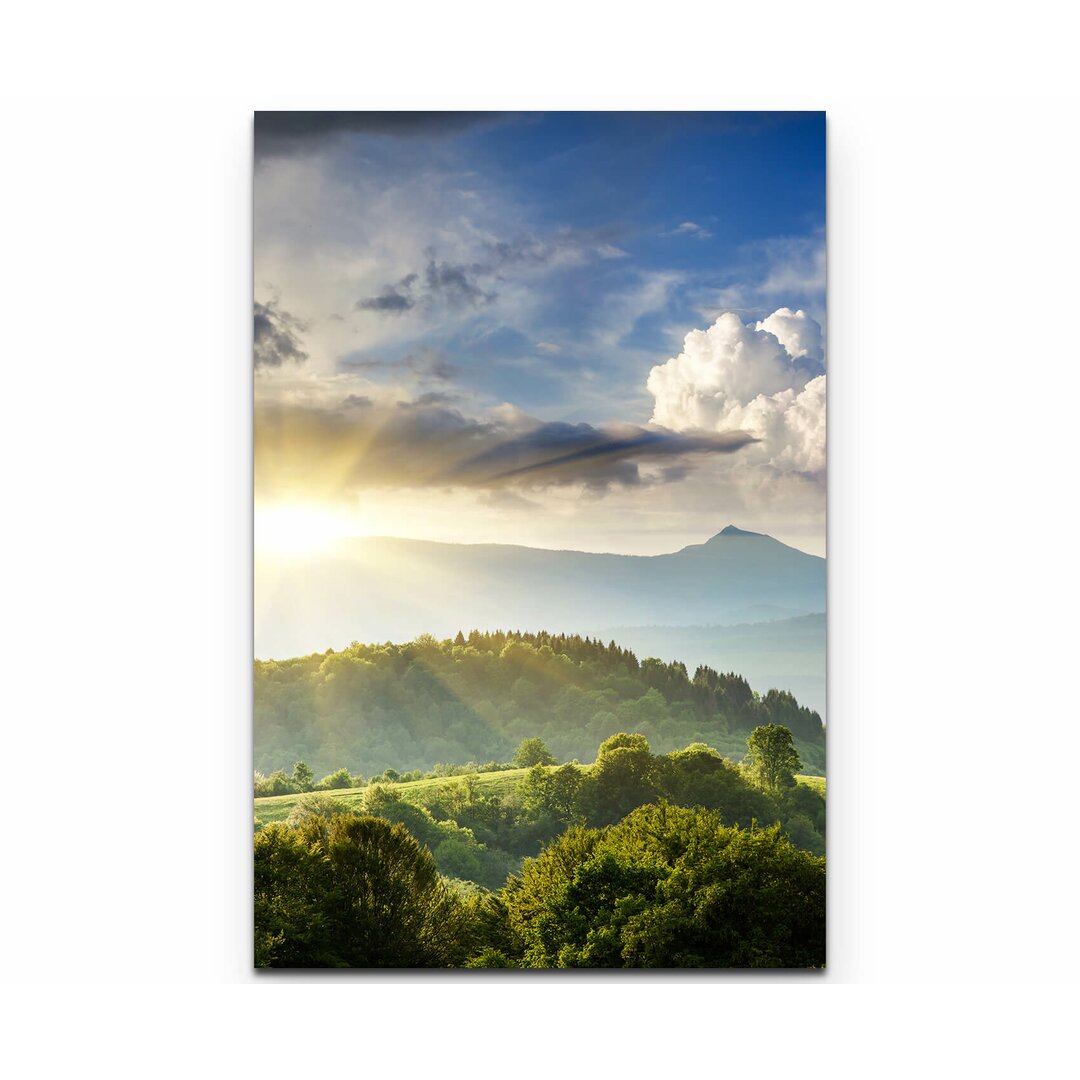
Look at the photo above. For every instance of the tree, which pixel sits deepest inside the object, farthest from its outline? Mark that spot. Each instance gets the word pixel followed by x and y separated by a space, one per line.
pixel 772 757
pixel 352 892
pixel 339 779
pixel 668 887
pixel 303 777
pixel 315 804
pixel 277 783
pixel 533 752
pixel 624 777
pixel 699 776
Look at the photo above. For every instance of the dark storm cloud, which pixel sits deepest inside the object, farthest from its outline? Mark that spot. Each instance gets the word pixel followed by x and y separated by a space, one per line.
pixel 278 133
pixel 595 456
pixel 424 444
pixel 276 336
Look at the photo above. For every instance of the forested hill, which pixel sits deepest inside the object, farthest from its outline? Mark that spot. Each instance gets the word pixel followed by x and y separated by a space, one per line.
pixel 475 697
pixel 785 653
pixel 380 589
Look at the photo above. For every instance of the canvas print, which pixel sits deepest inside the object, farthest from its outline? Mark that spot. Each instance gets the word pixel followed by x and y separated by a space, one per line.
pixel 539 467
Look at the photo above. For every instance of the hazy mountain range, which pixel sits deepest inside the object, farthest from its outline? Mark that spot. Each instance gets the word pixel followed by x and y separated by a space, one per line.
pixel 686 605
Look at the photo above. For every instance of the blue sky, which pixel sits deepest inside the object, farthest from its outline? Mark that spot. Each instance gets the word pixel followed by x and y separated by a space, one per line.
pixel 732 182
pixel 503 271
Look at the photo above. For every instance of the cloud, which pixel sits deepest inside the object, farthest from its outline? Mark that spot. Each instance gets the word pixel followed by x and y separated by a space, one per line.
pixel 432 397
pixel 548 347
pixel 502 499
pixel 691 228
pixel 306 451
pixel 278 133
pixel 792 267
pixel 393 298
pixel 455 284
pixel 459 285
pixel 765 380
pixel 425 363
pixel 276 337
pixel 796 331
pixel 796 266
pixel 451 284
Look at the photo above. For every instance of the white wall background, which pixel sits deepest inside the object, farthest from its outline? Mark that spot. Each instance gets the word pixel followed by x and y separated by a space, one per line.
pixel 124 431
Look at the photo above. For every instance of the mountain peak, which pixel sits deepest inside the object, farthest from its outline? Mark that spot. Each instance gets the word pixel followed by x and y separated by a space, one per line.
pixel 718 544
pixel 732 530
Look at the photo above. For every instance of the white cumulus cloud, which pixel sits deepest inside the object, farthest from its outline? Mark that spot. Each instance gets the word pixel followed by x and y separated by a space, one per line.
pixel 766 379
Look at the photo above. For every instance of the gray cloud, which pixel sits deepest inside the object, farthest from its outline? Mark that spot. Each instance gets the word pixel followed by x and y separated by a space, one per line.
pixel 459 285
pixel 306 451
pixel 596 456
pixel 276 336
pixel 393 298
pixel 280 133
pixel 454 285
pixel 423 364
pixel 432 397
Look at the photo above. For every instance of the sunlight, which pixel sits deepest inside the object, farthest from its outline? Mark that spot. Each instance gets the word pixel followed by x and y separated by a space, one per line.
pixel 296 529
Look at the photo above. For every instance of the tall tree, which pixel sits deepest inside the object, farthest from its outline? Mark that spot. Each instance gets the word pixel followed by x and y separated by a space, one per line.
pixel 773 759
pixel 303 777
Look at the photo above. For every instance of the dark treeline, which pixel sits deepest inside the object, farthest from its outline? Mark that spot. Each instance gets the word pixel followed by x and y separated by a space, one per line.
pixel 409 706
pixel 641 860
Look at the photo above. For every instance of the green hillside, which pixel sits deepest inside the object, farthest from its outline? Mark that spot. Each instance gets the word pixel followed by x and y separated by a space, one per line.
pixel 424 792
pixel 418 792
pixel 474 698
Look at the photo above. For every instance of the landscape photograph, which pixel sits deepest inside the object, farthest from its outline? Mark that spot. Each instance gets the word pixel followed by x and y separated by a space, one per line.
pixel 539 540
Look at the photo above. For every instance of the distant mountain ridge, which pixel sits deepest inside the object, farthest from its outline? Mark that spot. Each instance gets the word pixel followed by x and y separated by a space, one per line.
pixel 788 654
pixel 388 589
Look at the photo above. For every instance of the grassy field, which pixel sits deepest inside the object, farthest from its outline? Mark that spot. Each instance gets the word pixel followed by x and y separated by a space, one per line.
pixel 278 807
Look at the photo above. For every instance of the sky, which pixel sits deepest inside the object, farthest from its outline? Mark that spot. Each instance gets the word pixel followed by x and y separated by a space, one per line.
pixel 598 331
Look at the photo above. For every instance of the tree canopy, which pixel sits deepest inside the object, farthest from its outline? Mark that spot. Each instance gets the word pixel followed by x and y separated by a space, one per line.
pixel 532 752
pixel 668 887
pixel 477 697
pixel 352 891
pixel 643 859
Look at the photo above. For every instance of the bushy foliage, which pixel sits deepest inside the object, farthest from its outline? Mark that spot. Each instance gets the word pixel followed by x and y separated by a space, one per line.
pixel 532 752
pixel 456 850
pixel 652 860
pixel 340 778
pixel 667 887
pixel 277 783
pixel 314 804
pixel 353 892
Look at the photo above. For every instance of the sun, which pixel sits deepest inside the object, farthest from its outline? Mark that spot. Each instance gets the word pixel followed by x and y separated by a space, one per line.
pixel 291 530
